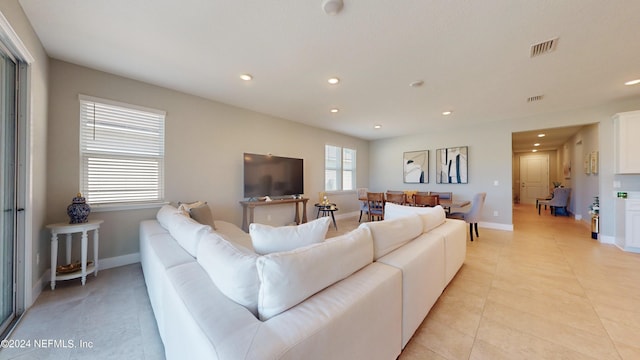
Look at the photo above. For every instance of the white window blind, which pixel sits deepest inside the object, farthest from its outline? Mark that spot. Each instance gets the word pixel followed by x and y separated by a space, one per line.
pixel 122 152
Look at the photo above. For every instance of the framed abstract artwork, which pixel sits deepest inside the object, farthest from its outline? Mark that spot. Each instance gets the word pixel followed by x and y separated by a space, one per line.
pixel 452 165
pixel 594 162
pixel 415 166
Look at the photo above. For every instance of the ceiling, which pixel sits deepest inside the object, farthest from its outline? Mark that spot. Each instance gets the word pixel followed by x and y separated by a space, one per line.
pixel 473 56
pixel 553 139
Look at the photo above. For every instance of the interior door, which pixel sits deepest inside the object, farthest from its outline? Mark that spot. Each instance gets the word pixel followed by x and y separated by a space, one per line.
pixel 8 169
pixel 534 177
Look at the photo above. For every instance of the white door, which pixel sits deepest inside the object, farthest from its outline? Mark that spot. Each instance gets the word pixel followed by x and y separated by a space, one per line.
pixel 534 177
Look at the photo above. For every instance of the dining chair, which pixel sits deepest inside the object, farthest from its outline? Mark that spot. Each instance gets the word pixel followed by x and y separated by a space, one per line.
pixel 397 198
pixel 558 201
pixel 446 195
pixel 425 200
pixel 473 215
pixel 362 198
pixel 375 204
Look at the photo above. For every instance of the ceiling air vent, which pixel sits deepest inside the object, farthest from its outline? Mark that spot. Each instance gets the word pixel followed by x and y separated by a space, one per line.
pixel 543 47
pixel 535 98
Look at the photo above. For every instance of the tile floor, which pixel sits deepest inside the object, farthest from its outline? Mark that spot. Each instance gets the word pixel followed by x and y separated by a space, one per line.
pixel 544 291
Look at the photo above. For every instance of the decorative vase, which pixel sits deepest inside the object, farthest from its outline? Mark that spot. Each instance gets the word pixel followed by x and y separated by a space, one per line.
pixel 78 210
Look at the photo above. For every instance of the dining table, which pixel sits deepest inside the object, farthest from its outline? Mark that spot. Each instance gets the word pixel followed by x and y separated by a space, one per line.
pixel 447 204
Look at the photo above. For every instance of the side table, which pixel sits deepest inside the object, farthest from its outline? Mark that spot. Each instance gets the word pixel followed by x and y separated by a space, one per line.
pixel 327 210
pixel 70 229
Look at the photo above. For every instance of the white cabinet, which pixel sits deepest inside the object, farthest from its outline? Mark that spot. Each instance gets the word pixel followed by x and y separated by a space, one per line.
pixel 626 127
pixel 628 224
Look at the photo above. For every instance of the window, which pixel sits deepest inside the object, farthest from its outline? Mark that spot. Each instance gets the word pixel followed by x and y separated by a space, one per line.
pixel 339 168
pixel 122 152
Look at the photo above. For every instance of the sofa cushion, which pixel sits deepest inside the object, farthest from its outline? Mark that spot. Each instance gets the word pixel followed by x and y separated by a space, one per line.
pixel 288 278
pixel 187 232
pixel 269 239
pixel 389 235
pixel 165 214
pixel 231 268
pixel 431 216
pixel 233 233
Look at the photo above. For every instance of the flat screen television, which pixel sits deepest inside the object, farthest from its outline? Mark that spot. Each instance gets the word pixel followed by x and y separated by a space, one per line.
pixel 268 175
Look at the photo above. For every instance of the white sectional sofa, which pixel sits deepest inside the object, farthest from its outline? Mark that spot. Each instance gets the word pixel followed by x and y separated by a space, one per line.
pixel 361 295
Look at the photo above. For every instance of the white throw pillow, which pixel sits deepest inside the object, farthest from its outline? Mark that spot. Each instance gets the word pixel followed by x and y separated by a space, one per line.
pixel 165 215
pixel 432 217
pixel 389 235
pixel 269 239
pixel 288 278
pixel 187 232
pixel 232 269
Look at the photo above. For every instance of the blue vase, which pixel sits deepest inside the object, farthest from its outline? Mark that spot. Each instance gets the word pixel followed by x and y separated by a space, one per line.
pixel 78 210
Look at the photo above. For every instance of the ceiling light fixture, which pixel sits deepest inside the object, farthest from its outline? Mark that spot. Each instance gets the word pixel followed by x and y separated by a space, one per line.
pixel 377 126
pixel 333 81
pixel 445 113
pixel 246 77
pixel 536 144
pixel 534 150
pixel 416 83
pixel 332 7
pixel 633 82
pixel 542 135
pixel 334 110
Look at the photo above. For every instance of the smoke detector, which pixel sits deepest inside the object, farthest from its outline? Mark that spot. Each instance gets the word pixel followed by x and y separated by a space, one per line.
pixel 332 7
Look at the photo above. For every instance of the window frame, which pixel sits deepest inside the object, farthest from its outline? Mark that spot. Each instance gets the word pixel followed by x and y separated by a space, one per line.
pixel 340 168
pixel 155 157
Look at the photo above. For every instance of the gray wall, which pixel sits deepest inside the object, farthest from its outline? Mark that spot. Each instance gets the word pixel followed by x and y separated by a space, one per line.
pixel 204 144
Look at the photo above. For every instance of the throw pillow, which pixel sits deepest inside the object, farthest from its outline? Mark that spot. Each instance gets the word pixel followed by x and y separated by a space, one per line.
pixel 288 278
pixel 202 214
pixel 268 239
pixel 232 269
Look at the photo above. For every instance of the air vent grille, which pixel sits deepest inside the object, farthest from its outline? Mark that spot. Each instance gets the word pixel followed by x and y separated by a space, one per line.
pixel 535 98
pixel 544 47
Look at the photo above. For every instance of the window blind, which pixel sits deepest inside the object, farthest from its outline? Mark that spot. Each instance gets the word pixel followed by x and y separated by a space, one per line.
pixel 122 152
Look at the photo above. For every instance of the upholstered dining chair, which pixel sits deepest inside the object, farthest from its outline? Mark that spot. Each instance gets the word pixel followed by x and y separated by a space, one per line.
pixel 425 200
pixel 399 198
pixel 375 204
pixel 443 195
pixel 558 201
pixel 362 198
pixel 472 216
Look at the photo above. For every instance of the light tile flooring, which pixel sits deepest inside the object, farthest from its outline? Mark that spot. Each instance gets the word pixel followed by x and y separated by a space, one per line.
pixel 544 291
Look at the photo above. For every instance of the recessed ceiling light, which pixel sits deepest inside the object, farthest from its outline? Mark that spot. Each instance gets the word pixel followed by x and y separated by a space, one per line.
pixel 445 113
pixel 334 110
pixel 536 144
pixel 246 77
pixel 377 126
pixel 542 135
pixel 333 81
pixel 416 83
pixel 534 150
pixel 633 82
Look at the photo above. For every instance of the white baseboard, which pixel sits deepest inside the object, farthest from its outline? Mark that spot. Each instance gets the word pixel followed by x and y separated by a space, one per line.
pixel 104 264
pixel 606 239
pixel 496 226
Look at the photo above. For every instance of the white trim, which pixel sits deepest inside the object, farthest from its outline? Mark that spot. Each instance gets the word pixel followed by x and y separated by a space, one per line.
pixel 96 208
pixel 15 44
pixel 496 226
pixel 118 261
pixel 88 98
pixel 606 239
pixel 104 264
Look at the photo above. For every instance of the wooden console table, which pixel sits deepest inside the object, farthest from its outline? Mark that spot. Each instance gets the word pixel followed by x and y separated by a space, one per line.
pixel 251 205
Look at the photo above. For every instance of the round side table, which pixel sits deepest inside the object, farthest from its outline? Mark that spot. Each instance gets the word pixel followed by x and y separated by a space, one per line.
pixel 70 229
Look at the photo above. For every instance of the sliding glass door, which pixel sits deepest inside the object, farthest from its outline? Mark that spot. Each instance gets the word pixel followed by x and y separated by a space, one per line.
pixel 8 168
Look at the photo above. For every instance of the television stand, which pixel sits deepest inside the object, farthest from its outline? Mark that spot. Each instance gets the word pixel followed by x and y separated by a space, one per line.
pixel 249 206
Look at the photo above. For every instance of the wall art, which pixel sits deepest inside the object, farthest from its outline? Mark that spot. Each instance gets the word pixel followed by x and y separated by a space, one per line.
pixel 452 165
pixel 415 166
